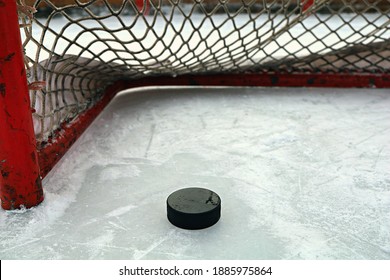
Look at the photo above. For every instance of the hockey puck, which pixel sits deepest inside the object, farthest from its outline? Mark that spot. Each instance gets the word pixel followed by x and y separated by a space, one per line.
pixel 193 208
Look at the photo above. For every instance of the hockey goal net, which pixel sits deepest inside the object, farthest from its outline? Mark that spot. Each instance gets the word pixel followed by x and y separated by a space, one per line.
pixel 76 54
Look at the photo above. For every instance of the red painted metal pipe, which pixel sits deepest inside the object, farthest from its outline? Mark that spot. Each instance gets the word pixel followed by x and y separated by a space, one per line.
pixel 312 80
pixel 140 5
pixel 20 182
pixel 307 4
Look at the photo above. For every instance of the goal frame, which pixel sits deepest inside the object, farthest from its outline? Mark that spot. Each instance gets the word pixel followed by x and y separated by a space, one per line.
pixel 24 162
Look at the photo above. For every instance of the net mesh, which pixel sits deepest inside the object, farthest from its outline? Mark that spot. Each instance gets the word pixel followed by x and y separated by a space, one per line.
pixel 75 49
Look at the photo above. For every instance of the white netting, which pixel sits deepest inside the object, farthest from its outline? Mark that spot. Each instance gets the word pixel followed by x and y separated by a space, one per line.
pixel 80 47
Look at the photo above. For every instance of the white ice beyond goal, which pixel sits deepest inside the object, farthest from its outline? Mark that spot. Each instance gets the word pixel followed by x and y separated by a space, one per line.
pixel 61 62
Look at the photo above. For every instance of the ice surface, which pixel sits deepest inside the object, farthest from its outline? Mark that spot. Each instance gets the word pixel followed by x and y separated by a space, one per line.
pixel 302 174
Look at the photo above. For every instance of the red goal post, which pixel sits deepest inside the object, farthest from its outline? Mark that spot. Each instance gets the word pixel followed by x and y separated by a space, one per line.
pixel 26 158
pixel 20 181
pixel 21 168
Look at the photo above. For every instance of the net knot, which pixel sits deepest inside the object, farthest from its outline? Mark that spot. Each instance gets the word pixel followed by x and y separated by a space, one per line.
pixel 26 11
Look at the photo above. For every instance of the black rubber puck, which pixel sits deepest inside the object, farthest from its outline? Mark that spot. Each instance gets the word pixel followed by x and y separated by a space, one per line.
pixel 193 208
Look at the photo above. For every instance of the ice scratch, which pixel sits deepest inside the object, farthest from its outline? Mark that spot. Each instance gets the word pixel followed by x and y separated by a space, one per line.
pixel 141 254
pixel 152 131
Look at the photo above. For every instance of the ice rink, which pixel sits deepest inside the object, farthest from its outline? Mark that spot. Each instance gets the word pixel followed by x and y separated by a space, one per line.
pixel 302 174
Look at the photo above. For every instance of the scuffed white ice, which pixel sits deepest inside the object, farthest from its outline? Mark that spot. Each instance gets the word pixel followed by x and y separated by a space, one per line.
pixel 302 173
